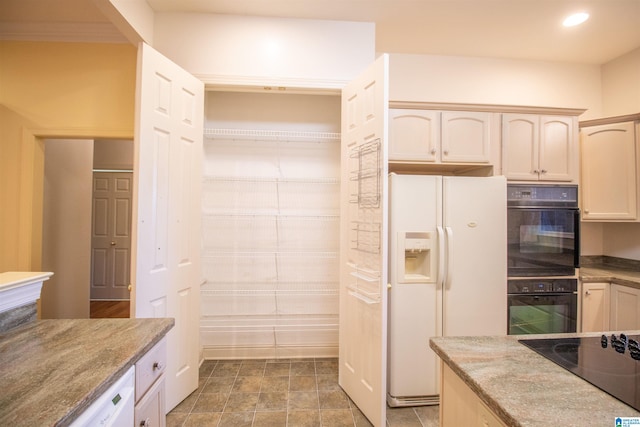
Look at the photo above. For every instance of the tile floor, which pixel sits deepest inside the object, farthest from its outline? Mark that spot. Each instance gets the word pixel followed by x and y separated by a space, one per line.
pixel 274 393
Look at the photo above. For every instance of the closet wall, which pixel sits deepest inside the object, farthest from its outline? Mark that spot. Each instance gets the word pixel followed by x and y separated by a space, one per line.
pixel 270 225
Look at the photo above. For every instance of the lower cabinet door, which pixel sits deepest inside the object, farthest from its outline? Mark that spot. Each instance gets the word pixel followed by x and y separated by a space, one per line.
pixel 149 411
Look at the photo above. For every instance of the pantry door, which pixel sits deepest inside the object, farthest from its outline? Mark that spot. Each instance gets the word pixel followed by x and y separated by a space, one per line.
pixel 363 246
pixel 166 225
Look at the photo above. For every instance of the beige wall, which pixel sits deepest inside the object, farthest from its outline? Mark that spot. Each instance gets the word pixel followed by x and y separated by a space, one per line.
pixel 257 51
pixel 470 80
pixel 621 85
pixel 21 167
pixel 66 90
pixel 113 154
pixel 66 233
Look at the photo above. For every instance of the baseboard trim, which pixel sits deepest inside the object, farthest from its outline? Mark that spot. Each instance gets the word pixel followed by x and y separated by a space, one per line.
pixel 271 352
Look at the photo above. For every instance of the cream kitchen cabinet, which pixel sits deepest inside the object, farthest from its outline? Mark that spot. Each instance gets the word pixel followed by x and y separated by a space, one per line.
pixel 595 303
pixel 610 171
pixel 460 406
pixel 149 389
pixel 440 136
pixel 539 147
pixel 625 308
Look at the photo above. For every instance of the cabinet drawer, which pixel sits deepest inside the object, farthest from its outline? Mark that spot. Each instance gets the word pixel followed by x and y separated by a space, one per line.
pixel 150 412
pixel 150 367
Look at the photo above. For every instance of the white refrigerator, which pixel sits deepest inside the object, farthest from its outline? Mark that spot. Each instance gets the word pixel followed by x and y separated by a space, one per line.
pixel 447 273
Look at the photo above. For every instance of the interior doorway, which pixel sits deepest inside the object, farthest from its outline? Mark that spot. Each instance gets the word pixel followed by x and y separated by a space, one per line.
pixel 69 165
pixel 111 214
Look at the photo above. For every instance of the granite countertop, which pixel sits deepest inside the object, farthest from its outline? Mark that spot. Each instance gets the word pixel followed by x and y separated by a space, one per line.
pixel 52 370
pixel 525 389
pixel 612 274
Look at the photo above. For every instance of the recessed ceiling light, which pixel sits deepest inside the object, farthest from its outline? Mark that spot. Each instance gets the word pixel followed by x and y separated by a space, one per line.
pixel 575 19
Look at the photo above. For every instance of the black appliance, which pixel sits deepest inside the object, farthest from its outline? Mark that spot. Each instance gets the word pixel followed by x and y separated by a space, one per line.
pixel 609 362
pixel 542 306
pixel 543 230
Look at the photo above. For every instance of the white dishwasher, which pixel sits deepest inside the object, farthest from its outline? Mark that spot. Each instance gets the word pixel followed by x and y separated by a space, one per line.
pixel 114 408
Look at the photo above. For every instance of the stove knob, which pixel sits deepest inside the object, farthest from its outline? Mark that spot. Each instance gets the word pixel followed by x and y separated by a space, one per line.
pixel 603 341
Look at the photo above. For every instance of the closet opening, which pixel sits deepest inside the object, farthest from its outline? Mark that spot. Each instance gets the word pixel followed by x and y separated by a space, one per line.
pixel 270 225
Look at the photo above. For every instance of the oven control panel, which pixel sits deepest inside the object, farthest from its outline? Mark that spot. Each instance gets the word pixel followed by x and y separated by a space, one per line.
pixel 542 286
pixel 542 195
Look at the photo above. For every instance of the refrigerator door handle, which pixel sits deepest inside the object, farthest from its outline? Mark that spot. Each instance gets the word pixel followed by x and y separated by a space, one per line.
pixel 441 245
pixel 449 277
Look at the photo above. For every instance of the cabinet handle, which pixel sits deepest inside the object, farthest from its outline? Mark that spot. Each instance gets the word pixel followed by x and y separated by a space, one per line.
pixel 543 171
pixel 433 151
pixel 145 423
pixel 446 152
pixel 587 292
pixel 157 366
pixel 536 171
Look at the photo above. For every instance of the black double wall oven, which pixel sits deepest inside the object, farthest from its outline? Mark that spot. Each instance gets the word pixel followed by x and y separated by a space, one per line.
pixel 543 237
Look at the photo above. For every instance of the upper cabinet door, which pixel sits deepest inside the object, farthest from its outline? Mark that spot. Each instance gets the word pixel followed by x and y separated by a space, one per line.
pixel 557 148
pixel 414 135
pixel 609 173
pixel 432 136
pixel 466 137
pixel 539 148
pixel 520 146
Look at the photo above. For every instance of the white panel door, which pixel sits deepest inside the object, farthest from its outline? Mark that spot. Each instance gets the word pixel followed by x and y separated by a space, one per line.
pixel 111 235
pixel 363 275
pixel 167 196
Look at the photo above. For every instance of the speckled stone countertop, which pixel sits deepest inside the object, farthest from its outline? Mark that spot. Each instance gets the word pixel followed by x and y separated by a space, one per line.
pixel 523 388
pixel 52 370
pixel 611 274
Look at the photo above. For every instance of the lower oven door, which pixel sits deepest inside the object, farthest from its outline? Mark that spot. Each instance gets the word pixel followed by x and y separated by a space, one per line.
pixel 542 314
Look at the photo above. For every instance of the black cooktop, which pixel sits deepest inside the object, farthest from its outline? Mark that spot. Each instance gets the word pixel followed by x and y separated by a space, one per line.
pixel 610 362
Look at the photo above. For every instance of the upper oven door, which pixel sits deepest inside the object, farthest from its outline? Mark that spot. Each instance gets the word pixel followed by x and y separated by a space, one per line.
pixel 543 241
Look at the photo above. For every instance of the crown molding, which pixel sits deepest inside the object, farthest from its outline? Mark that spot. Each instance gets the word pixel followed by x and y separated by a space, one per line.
pixel 95 32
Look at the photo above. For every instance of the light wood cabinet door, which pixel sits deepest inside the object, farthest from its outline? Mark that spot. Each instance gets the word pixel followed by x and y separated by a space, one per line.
pixel 457 401
pixel 520 136
pixel 609 172
pixel 595 307
pixel 486 418
pixel 439 137
pixel 414 135
pixel 625 308
pixel 539 148
pixel 557 148
pixel 460 406
pixel 465 137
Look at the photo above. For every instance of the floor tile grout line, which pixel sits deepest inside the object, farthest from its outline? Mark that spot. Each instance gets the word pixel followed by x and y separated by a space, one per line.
pixel 289 376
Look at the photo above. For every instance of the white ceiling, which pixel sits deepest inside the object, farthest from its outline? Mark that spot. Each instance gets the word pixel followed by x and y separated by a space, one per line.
pixel 524 29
